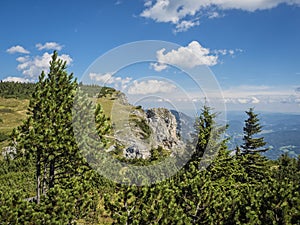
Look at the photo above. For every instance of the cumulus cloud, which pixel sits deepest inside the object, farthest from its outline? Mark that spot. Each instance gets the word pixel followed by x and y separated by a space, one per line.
pixel 109 78
pixel 33 66
pixel 187 57
pixel 49 46
pixel 150 87
pixel 17 79
pixel 17 49
pixel 176 11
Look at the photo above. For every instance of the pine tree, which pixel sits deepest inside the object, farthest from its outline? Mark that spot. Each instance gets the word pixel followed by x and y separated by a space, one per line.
pixel 208 139
pixel 51 136
pixel 251 129
pixel 255 165
pixel 47 137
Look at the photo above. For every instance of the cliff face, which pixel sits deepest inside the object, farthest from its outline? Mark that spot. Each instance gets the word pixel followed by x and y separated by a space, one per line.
pixel 164 129
pixel 154 128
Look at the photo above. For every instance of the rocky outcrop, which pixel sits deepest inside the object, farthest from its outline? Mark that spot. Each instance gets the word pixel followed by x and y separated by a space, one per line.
pixel 164 128
pixel 149 129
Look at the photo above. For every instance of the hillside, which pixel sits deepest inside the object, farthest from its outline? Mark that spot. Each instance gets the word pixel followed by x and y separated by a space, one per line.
pixel 135 131
pixel 12 113
pixel 281 131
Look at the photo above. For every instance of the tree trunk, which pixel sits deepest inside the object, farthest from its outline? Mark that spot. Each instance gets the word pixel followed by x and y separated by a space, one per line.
pixel 38 177
pixel 52 170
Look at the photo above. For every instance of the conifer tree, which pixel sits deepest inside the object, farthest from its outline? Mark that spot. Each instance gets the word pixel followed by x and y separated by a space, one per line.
pixel 52 142
pixel 251 129
pixel 208 139
pixel 255 165
pixel 47 138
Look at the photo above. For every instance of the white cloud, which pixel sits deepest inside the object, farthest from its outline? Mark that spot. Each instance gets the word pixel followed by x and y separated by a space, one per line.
pixel 185 25
pixel 49 46
pixel 148 3
pixel 221 52
pixel 255 100
pixel 158 66
pixel 33 66
pixel 187 57
pixel 213 15
pixel 230 52
pixel 17 79
pixel 176 11
pixel 150 87
pixel 17 49
pixel 261 95
pixel 243 100
pixel 22 59
pixel 109 78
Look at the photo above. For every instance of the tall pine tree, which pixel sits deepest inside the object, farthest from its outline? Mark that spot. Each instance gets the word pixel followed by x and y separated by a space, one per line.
pixel 251 129
pixel 47 136
pixel 255 165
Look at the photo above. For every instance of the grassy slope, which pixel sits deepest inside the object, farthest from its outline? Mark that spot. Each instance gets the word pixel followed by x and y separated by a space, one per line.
pixel 12 113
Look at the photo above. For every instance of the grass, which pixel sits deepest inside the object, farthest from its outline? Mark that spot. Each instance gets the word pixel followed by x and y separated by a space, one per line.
pixel 12 113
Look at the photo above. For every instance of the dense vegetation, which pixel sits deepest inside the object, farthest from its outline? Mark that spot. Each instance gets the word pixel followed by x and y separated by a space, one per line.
pixel 16 90
pixel 48 181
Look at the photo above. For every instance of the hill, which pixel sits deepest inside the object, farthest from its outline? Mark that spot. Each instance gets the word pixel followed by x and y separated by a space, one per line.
pixel 135 131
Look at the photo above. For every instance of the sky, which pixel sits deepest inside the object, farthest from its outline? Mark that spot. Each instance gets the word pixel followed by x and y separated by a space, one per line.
pixel 233 54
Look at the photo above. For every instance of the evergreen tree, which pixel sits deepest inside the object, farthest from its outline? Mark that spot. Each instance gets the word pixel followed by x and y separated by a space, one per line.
pixel 50 132
pixel 251 129
pixel 256 166
pixel 209 138
pixel 62 174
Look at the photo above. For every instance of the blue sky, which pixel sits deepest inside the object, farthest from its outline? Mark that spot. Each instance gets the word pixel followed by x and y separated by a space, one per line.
pixel 251 47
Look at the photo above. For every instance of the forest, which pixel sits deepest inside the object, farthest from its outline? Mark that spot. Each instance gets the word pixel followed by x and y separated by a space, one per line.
pixel 46 178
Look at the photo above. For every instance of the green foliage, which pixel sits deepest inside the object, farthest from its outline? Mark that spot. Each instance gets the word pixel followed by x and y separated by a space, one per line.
pixel 16 90
pixel 106 91
pixel 254 164
pixel 143 125
pixel 3 137
pixel 64 191
pixel 66 130
pixel 251 129
pixel 224 193
pixel 158 154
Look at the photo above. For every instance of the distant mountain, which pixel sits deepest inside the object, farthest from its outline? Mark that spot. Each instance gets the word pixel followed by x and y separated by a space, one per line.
pixel 185 125
pixel 281 132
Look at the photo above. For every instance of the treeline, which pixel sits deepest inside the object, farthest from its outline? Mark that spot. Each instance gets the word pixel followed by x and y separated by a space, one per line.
pixel 10 89
pixel 59 157
pixel 16 90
